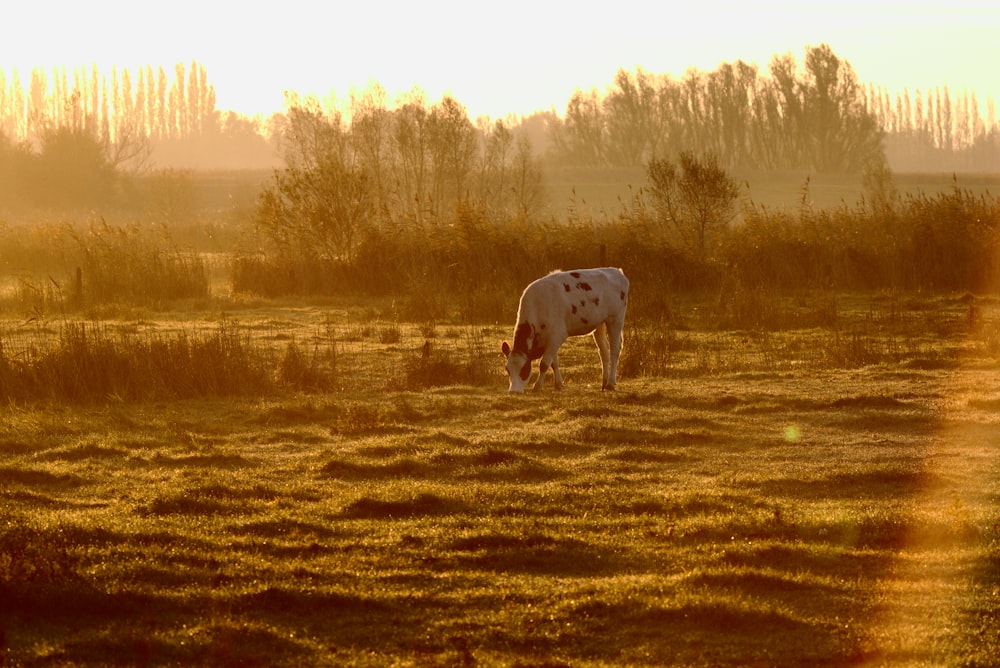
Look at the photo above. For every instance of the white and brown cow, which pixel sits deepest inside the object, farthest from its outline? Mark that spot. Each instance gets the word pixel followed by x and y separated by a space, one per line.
pixel 564 304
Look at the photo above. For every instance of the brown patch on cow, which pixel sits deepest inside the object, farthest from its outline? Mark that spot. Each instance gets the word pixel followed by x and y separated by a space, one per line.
pixel 543 326
pixel 584 321
pixel 583 302
pixel 521 336
pixel 566 286
pixel 574 274
pixel 623 295
pixel 525 332
pixel 597 301
pixel 574 309
pixel 583 286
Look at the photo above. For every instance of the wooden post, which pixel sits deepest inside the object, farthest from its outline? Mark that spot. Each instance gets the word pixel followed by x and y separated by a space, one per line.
pixel 77 297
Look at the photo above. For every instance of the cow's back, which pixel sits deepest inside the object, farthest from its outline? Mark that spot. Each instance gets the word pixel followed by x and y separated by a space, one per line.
pixel 578 300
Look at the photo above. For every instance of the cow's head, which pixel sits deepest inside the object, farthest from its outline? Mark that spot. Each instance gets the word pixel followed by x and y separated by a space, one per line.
pixel 518 367
pixel 519 357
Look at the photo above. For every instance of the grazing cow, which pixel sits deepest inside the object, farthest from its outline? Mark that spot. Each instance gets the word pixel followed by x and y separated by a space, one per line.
pixel 564 304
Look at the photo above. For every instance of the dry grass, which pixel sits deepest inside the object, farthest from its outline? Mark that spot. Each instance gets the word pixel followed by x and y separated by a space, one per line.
pixel 753 501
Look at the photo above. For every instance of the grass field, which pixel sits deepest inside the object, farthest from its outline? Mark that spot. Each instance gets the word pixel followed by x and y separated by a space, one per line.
pixel 599 191
pixel 809 496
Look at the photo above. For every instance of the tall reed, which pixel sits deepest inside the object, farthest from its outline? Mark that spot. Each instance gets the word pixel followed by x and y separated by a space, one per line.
pixel 87 362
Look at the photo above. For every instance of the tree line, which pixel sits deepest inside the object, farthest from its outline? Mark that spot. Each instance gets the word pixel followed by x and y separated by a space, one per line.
pixel 89 127
pixel 112 106
pixel 935 130
pixel 125 121
pixel 811 118
pixel 816 117
pixel 412 164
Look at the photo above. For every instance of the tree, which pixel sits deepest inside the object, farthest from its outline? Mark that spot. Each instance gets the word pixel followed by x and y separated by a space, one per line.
pixel 453 145
pixel 697 197
pixel 15 162
pixel 72 169
pixel 526 176
pixel 371 125
pixel 631 118
pixel 842 135
pixel 318 205
pixel 510 179
pixel 730 89
pixel 411 141
pixel 580 137
pixel 493 176
pixel 817 118
pixel 316 213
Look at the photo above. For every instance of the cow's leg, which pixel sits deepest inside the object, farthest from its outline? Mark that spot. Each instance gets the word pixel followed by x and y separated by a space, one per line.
pixel 543 367
pixel 615 334
pixel 550 360
pixel 604 347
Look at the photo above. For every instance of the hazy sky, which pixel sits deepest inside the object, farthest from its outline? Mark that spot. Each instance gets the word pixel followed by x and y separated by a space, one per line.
pixel 497 58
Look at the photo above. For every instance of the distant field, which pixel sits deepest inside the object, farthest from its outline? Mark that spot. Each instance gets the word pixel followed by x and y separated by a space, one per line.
pixel 229 196
pixel 798 497
pixel 594 191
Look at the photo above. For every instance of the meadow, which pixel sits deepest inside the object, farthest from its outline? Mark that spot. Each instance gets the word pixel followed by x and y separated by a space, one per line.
pixel 213 456
pixel 820 493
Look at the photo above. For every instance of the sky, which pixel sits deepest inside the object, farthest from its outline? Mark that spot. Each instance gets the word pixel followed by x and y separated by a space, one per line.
pixel 497 58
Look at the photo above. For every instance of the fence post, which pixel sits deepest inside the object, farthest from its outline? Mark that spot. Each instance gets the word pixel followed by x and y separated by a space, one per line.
pixel 77 295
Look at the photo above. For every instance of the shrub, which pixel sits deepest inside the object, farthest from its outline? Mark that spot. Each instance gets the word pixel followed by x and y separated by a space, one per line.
pixel 431 367
pixel 93 362
pixel 76 267
pixel 298 372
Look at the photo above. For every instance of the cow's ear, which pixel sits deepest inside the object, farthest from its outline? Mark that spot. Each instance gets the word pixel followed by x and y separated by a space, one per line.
pixel 505 349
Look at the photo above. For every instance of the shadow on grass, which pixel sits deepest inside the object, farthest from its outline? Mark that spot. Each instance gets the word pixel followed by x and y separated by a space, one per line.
pixel 216 461
pixel 422 505
pixel 133 629
pixel 533 553
pixel 494 464
pixel 218 499
pixel 84 452
pixel 647 633
pixel 34 478
pixel 980 619
pixel 891 482
pixel 820 560
pixel 52 611
pixel 287 529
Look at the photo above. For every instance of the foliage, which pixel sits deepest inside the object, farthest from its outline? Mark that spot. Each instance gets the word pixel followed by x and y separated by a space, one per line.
pixel 75 267
pixel 343 185
pixel 114 106
pixel 70 170
pixel 673 235
pixel 697 197
pixel 319 204
pixel 917 241
pixel 96 363
pixel 936 130
pixel 814 118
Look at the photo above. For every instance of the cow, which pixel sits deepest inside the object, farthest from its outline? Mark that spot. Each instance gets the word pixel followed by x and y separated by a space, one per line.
pixel 564 304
